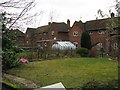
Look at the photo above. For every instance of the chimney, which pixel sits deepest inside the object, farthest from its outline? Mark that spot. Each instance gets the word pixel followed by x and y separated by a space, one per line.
pixel 49 23
pixel 112 15
pixel 68 23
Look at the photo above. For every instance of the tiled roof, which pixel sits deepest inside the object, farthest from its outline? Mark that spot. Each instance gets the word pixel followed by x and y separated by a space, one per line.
pixel 60 27
pixel 100 24
pixel 16 32
pixel 30 30
pixel 43 29
pixel 81 25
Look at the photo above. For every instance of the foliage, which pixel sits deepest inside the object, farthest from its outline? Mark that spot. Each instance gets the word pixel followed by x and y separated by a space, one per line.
pixel 83 52
pixel 86 40
pixel 102 52
pixel 9 50
pixel 27 55
pixel 72 72
pixel 96 85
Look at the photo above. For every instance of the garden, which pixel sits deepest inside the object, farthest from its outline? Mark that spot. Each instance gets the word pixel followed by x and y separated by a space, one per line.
pixel 72 72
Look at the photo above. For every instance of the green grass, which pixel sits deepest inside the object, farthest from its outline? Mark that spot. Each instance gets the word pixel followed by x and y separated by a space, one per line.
pixel 72 72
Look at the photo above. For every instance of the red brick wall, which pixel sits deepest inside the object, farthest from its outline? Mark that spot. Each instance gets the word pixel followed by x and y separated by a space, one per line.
pixel 96 37
pixel 75 38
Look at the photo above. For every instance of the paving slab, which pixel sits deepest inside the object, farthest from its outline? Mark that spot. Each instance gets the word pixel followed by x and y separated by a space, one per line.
pixel 25 82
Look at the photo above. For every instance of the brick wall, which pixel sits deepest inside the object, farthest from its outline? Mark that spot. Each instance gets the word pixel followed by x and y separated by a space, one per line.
pixel 77 38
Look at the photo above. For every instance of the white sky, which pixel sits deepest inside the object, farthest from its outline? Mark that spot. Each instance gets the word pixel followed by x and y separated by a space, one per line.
pixel 74 10
pixel 61 10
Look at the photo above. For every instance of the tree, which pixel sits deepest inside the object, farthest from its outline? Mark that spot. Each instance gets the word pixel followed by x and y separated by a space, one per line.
pixel 9 21
pixel 113 24
pixel 86 40
pixel 110 29
pixel 9 50
pixel 19 12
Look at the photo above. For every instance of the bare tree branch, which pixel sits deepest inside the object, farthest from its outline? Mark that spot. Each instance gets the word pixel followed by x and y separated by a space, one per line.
pixel 27 7
pixel 22 8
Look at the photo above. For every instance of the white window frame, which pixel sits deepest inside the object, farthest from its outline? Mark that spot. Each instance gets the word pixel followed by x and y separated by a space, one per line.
pixel 44 33
pixel 52 32
pixel 76 44
pixel 115 45
pixel 101 32
pixel 27 35
pixel 75 33
pixel 90 32
pixel 100 45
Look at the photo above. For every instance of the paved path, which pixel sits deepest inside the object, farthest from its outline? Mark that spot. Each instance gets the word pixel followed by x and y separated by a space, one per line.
pixel 25 82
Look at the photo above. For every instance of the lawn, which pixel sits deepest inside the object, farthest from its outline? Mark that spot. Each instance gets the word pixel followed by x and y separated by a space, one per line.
pixel 72 72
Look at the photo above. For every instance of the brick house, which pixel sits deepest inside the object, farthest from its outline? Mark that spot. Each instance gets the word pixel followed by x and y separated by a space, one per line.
pixel 98 32
pixel 18 37
pixel 75 33
pixel 45 36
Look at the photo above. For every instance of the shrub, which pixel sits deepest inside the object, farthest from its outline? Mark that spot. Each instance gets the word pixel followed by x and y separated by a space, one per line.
pixel 86 40
pixel 9 50
pixel 96 85
pixel 83 52
pixel 9 59
pixel 27 55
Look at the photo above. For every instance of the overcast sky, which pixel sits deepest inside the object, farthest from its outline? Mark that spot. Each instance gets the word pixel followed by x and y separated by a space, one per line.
pixel 75 10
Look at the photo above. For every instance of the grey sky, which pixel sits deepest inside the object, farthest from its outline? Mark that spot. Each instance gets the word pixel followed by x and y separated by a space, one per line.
pixel 61 10
pixel 69 9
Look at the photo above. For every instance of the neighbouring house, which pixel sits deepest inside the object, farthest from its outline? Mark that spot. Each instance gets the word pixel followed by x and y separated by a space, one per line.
pixel 100 35
pixel 75 33
pixel 30 39
pixel 100 31
pixel 18 37
pixel 45 36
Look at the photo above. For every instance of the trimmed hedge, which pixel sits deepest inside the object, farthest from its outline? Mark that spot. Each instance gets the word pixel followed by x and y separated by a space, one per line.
pixel 83 52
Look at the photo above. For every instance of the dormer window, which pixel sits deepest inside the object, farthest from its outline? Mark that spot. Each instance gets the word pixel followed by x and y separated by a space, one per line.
pixel 75 33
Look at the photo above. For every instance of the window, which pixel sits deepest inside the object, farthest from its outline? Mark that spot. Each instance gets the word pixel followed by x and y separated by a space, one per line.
pixel 45 44
pixel 44 33
pixel 40 33
pixel 101 32
pixel 27 35
pixel 115 46
pixel 52 32
pixel 27 42
pixel 99 45
pixel 54 38
pixel 76 44
pixel 90 32
pixel 75 33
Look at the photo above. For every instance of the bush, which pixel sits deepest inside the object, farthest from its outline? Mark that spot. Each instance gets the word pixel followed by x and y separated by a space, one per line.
pixel 95 85
pixel 83 52
pixel 9 59
pixel 86 40
pixel 27 55
pixel 9 49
